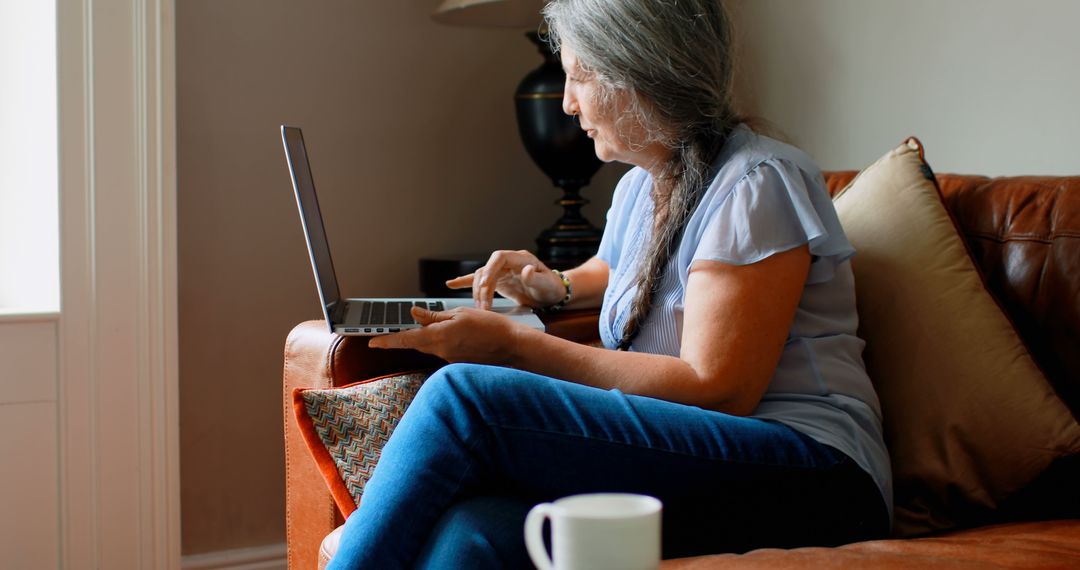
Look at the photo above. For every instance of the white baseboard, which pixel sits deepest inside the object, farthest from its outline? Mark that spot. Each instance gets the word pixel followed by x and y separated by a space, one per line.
pixel 269 557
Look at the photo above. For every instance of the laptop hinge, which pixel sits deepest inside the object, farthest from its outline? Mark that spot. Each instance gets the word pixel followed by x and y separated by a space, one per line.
pixel 336 311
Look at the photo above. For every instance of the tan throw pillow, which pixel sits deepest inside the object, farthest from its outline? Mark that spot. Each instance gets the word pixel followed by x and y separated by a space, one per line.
pixel 969 418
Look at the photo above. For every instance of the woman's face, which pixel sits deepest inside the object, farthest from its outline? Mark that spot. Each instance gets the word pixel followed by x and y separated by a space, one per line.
pixel 616 135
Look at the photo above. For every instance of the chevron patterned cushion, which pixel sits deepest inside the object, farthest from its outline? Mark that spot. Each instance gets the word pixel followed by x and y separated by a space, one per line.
pixel 345 429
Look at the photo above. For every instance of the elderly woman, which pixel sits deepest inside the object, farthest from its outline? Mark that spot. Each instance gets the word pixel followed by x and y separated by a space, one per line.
pixel 731 384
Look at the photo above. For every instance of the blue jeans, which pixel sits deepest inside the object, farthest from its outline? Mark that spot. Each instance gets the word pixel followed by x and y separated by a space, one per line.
pixel 480 445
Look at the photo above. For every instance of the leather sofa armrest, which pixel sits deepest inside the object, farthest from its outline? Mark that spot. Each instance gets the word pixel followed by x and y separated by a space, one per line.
pixel 317 358
pixel 309 508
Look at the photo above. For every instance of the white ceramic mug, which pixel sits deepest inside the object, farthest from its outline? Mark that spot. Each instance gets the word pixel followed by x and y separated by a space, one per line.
pixel 601 531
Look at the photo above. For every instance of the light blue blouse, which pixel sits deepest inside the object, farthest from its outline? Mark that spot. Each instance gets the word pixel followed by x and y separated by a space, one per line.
pixel 767 197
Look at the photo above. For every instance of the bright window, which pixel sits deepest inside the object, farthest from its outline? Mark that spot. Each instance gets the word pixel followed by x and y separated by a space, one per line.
pixel 29 234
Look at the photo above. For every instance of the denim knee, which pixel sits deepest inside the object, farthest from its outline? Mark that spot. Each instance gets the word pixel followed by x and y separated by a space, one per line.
pixel 466 375
pixel 463 382
pixel 452 396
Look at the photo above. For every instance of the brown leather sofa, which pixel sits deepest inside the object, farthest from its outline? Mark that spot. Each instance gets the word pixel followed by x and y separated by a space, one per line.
pixel 1031 264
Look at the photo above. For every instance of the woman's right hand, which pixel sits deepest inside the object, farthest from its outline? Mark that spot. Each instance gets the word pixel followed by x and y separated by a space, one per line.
pixel 516 275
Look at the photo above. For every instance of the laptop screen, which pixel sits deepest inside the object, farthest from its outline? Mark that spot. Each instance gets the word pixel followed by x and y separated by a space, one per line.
pixel 311 217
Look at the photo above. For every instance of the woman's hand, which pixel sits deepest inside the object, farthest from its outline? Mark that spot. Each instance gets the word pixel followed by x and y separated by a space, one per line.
pixel 459 335
pixel 516 275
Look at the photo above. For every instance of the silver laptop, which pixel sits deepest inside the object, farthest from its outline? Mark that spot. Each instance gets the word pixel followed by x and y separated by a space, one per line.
pixel 361 317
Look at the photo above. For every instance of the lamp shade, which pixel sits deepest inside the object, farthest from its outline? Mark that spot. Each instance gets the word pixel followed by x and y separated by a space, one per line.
pixel 520 14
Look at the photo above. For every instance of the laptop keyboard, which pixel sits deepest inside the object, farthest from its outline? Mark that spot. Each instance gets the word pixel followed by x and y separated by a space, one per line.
pixel 390 313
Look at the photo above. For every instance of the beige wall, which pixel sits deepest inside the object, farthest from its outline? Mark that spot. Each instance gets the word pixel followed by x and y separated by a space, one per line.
pixel 989 86
pixel 400 115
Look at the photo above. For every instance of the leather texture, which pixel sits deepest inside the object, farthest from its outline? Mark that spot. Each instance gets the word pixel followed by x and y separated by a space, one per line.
pixel 1024 234
pixel 1047 544
pixel 310 513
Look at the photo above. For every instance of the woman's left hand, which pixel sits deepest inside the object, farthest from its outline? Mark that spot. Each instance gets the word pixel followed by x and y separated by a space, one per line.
pixel 463 334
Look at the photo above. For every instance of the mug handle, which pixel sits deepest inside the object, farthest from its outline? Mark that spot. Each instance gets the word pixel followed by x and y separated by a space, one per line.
pixel 534 536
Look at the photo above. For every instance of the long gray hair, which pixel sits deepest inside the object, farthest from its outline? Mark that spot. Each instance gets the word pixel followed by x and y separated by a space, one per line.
pixel 674 61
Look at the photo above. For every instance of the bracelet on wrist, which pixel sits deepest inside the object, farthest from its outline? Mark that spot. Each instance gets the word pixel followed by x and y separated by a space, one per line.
pixel 566 299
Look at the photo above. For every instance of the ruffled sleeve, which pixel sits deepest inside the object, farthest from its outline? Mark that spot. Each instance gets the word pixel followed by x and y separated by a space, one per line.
pixel 774 207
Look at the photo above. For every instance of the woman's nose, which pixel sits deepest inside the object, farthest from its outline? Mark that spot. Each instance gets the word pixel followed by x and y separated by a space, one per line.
pixel 569 103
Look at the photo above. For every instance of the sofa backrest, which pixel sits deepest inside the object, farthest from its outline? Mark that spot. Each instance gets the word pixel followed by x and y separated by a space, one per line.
pixel 1024 235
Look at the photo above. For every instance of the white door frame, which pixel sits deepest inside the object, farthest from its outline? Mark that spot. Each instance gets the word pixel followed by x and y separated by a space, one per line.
pixel 118 397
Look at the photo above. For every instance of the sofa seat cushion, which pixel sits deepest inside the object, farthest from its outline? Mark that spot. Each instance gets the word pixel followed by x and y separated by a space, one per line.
pixel 1045 544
